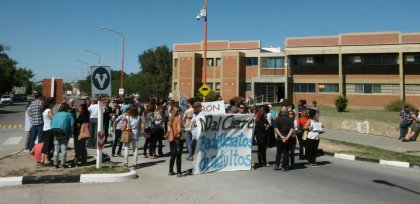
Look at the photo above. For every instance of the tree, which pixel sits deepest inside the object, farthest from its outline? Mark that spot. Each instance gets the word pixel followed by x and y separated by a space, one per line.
pixel 156 70
pixel 22 77
pixel 7 70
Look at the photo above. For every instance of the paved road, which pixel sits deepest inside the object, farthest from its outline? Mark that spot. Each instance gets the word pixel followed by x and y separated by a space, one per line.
pixel 335 181
pixel 12 116
pixel 12 134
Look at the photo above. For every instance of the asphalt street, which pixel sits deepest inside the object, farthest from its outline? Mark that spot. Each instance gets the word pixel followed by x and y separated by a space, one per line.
pixel 334 181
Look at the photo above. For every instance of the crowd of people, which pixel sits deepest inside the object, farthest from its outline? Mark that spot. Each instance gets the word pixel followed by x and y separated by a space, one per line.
pixel 162 120
pixel 410 124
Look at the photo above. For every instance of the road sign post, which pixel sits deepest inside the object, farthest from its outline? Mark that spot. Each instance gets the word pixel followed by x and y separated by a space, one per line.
pixel 205 90
pixel 101 81
pixel 100 131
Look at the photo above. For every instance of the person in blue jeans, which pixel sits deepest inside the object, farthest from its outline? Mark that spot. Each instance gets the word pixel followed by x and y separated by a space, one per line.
pixel 35 112
pixel 186 120
pixel 61 125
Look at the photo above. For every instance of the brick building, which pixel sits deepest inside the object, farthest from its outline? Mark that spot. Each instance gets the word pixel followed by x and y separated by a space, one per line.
pixel 370 69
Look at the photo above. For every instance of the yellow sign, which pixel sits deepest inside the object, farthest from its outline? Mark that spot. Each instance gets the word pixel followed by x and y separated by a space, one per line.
pixel 204 89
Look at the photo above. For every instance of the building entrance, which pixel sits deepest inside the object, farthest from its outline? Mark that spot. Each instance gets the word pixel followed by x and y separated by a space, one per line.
pixel 269 92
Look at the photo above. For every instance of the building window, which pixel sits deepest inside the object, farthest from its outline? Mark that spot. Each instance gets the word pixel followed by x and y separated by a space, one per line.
pixel 218 62
pixel 373 88
pixel 272 62
pixel 412 89
pixel 357 59
pixel 309 60
pixel 382 59
pixel 210 84
pixel 252 61
pixel 409 58
pixel 247 86
pixel 210 62
pixel 328 88
pixel 218 87
pixel 176 62
pixel 412 59
pixel 304 88
pixel 175 86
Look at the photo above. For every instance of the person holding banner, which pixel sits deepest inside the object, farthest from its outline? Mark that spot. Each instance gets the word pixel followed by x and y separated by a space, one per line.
pixel 186 120
pixel 194 130
pixel 174 136
pixel 261 133
pixel 284 130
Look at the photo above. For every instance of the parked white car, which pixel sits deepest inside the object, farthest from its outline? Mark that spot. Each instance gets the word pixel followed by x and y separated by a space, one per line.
pixel 6 99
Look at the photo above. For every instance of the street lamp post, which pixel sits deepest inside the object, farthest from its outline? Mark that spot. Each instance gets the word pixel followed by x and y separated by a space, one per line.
pixel 99 56
pixel 122 61
pixel 87 64
pixel 203 14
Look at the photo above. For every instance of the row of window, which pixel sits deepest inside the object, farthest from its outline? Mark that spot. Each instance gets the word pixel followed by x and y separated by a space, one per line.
pixel 411 89
pixel 371 60
pixel 322 60
pixel 392 89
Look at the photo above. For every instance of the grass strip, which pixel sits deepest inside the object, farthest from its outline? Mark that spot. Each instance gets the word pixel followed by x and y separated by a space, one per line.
pixel 373 152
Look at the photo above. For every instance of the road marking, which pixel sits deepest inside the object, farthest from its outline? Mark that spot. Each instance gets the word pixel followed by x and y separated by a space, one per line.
pixel 12 141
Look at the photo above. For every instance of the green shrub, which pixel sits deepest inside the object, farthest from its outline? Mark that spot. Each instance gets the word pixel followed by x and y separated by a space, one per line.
pixel 341 103
pixel 212 96
pixel 397 106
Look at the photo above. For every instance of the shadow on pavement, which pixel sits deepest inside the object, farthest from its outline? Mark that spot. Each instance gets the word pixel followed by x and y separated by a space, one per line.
pixel 395 185
pixel 147 164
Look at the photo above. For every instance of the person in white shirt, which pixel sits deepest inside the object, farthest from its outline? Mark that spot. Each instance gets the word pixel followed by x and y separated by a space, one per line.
pixel 315 129
pixel 194 129
pixel 186 121
pixel 132 121
pixel 93 123
pixel 47 115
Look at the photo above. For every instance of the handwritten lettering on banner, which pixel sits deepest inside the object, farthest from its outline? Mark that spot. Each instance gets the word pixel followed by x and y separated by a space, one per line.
pixel 224 143
pixel 215 107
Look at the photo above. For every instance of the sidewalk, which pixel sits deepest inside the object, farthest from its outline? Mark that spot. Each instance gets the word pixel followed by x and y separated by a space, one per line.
pixel 387 143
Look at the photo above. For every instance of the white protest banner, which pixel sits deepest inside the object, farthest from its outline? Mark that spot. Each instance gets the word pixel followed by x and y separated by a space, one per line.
pixel 224 143
pixel 215 107
pixel 183 102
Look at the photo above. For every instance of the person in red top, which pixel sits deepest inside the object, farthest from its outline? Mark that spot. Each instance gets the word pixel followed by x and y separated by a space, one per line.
pixel 303 119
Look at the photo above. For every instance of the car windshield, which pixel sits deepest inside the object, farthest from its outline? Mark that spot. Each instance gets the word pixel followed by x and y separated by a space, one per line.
pixel 6 96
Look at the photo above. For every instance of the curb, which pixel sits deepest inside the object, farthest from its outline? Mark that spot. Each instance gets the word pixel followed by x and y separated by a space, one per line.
pixel 377 161
pixel 80 178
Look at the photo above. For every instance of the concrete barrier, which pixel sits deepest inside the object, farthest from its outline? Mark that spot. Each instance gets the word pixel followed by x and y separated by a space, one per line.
pixel 365 127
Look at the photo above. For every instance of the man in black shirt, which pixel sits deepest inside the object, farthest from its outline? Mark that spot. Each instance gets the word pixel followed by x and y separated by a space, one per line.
pixel 283 130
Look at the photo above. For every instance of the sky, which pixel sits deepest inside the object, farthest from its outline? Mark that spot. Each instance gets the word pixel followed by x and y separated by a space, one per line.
pixel 49 36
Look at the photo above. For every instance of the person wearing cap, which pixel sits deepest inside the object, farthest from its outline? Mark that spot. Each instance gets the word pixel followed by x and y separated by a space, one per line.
pixel 194 130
